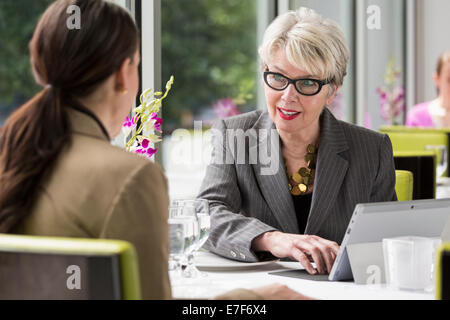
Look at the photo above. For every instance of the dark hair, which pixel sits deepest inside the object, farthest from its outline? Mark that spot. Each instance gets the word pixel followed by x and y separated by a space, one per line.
pixel 443 58
pixel 69 63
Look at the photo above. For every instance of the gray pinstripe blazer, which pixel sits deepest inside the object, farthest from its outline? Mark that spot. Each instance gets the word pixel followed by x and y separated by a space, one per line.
pixel 354 165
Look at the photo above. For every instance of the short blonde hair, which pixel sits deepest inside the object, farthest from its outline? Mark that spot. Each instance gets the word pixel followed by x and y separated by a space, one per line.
pixel 311 43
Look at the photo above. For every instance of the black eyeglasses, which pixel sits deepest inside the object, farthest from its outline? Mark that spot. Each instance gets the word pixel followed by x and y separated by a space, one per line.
pixel 306 87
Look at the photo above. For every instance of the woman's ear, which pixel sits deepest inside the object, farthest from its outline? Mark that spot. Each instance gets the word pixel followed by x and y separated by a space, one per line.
pixel 121 77
pixel 332 93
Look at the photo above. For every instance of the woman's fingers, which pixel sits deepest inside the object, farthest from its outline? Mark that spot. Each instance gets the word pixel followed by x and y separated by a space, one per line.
pixel 326 253
pixel 302 247
pixel 298 255
pixel 312 249
pixel 330 250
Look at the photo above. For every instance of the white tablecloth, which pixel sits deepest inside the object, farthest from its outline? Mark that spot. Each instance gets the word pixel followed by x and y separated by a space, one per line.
pixel 219 282
pixel 443 188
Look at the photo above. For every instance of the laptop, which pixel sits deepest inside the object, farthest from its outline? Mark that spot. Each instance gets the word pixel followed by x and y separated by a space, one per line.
pixel 374 221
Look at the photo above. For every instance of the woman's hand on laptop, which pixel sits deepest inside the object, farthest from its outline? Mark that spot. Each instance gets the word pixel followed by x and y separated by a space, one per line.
pixel 301 248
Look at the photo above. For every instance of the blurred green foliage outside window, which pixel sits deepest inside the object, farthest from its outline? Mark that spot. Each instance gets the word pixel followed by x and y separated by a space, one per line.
pixel 18 19
pixel 210 47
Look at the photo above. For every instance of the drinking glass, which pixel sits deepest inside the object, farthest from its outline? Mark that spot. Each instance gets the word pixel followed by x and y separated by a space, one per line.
pixel 409 262
pixel 187 211
pixel 204 224
pixel 176 244
pixel 441 158
pixel 204 220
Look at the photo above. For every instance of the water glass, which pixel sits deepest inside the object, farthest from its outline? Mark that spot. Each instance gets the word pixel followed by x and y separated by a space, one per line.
pixel 176 244
pixel 186 210
pixel 409 262
pixel 198 211
pixel 441 158
pixel 204 220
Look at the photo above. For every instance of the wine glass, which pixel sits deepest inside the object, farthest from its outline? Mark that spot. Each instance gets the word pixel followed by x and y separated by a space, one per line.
pixel 176 240
pixel 176 244
pixel 204 220
pixel 187 211
pixel 201 208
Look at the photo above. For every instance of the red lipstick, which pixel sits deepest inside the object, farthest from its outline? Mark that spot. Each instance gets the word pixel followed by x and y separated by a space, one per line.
pixel 287 117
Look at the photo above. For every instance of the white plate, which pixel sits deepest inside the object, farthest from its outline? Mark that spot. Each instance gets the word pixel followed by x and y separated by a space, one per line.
pixel 207 261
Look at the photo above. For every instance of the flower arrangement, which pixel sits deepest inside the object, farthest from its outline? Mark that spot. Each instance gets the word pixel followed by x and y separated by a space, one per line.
pixel 392 96
pixel 225 108
pixel 144 122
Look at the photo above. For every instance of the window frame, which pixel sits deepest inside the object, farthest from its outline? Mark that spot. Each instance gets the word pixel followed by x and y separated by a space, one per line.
pixel 149 23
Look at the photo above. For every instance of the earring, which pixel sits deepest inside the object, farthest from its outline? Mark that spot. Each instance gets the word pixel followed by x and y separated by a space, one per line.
pixel 121 89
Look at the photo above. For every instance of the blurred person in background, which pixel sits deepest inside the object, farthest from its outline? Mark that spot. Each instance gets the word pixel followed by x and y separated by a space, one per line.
pixel 435 113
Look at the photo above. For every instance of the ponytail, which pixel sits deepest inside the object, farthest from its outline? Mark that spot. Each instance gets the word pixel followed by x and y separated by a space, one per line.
pixel 30 142
pixel 75 63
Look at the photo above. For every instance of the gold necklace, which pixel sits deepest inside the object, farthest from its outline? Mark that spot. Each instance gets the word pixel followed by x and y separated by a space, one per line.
pixel 301 180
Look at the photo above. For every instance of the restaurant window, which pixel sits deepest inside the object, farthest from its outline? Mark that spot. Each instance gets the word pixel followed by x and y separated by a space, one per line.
pixel 18 19
pixel 210 47
pixel 342 12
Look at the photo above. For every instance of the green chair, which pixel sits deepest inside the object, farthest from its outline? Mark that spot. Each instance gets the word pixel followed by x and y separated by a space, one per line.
pixel 34 267
pixel 443 272
pixel 418 139
pixel 396 128
pixel 404 185
pixel 422 165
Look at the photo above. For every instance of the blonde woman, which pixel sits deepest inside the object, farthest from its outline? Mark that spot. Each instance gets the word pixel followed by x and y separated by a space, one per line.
pixel 325 166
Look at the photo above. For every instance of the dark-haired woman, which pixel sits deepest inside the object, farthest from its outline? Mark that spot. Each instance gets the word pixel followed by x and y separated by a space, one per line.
pixel 59 174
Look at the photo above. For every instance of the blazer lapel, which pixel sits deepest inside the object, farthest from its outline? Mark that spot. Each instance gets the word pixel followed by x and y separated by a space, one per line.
pixel 273 182
pixel 330 171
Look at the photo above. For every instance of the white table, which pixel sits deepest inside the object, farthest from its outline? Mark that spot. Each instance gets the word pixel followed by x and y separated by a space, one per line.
pixel 443 188
pixel 219 282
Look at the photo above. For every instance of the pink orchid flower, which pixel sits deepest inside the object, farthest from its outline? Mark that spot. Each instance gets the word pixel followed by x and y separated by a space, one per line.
pixel 146 150
pixel 130 123
pixel 158 121
pixel 224 108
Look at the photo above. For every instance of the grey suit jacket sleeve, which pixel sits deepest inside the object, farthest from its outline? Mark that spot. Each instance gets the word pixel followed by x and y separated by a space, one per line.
pixel 384 186
pixel 231 231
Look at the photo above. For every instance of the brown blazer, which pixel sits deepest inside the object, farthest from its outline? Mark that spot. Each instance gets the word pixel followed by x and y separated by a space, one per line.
pixel 97 190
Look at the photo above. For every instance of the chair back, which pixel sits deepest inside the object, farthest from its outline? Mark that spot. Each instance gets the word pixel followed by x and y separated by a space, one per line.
pixel 398 128
pixel 422 165
pixel 35 267
pixel 420 139
pixel 404 185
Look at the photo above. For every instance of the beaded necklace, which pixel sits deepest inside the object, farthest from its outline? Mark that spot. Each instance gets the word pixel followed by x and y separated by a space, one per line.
pixel 301 180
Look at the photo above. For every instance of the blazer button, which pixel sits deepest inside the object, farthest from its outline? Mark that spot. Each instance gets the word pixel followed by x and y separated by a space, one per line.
pixel 233 254
pixel 242 255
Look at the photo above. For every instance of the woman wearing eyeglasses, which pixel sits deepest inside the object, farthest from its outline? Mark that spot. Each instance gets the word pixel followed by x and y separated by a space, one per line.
pixel 299 207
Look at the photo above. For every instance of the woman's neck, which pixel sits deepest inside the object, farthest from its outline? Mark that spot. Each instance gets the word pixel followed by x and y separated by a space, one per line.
pixel 295 143
pixel 443 103
pixel 101 107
